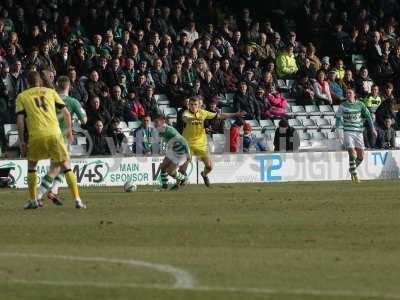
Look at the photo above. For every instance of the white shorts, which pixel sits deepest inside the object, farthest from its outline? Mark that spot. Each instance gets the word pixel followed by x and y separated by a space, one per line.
pixel 353 140
pixel 177 159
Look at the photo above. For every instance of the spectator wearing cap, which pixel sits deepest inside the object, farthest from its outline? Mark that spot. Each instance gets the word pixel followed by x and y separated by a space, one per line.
pixel 286 138
pixel 322 93
pixel 286 63
pixel 336 89
pixel 252 83
pixel 303 90
pixel 363 83
pixel 325 64
pixel 244 101
pixel 114 131
pixel 215 125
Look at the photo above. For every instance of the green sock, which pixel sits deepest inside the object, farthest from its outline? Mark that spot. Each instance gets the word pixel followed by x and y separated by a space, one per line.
pixel 352 163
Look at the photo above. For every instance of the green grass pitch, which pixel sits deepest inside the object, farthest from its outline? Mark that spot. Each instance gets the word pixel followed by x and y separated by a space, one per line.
pixel 286 241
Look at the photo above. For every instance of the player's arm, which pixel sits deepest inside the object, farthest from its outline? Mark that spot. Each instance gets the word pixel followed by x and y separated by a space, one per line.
pixel 80 112
pixel 367 116
pixel 239 114
pixel 68 122
pixel 20 111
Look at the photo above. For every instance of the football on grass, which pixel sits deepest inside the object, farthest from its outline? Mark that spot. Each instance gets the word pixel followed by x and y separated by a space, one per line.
pixel 129 186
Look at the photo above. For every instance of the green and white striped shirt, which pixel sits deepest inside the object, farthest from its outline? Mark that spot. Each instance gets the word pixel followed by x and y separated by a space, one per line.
pixel 352 115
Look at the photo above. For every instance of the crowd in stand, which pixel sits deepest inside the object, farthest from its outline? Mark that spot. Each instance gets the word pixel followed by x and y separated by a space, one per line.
pixel 119 54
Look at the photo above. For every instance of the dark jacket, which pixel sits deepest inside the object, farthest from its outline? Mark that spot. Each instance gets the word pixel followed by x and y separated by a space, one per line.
pixel 247 104
pixel 386 138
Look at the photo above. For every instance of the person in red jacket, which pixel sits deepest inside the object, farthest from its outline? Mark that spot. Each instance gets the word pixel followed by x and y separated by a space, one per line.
pixel 235 135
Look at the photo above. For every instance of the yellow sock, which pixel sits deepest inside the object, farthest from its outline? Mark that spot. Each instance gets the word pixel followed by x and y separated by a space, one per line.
pixel 32 183
pixel 72 183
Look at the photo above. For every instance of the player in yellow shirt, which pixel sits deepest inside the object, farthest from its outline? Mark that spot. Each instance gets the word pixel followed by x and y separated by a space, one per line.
pixel 37 107
pixel 195 133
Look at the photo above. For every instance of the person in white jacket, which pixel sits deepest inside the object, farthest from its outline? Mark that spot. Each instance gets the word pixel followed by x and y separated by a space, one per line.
pixel 321 89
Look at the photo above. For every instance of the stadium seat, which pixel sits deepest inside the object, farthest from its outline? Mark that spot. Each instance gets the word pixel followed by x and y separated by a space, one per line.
pixel 335 108
pixel 331 119
pixel 326 110
pixel 318 136
pixel 134 124
pixel 10 129
pixel 170 112
pixel 358 61
pixel 309 124
pixel 323 123
pixel 81 140
pixel 282 85
pixel 312 110
pixel 331 135
pixel 296 123
pixel 276 122
pixel 303 135
pixel 290 83
pixel 298 110
pixel 267 124
pixel 254 124
pixel 229 97
pixel 162 99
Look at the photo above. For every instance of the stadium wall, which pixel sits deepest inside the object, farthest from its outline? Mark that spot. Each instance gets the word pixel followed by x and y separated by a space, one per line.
pixel 228 168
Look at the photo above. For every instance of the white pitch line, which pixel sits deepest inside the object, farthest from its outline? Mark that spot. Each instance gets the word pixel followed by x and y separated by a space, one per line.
pixel 245 290
pixel 182 278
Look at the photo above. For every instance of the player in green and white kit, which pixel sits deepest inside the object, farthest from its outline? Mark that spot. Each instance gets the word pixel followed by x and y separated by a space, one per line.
pixel 350 117
pixel 52 180
pixel 177 153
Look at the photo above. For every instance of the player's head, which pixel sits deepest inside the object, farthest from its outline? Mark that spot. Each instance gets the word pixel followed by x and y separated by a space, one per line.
pixel 194 104
pixel 63 84
pixel 159 121
pixel 34 79
pixel 350 94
